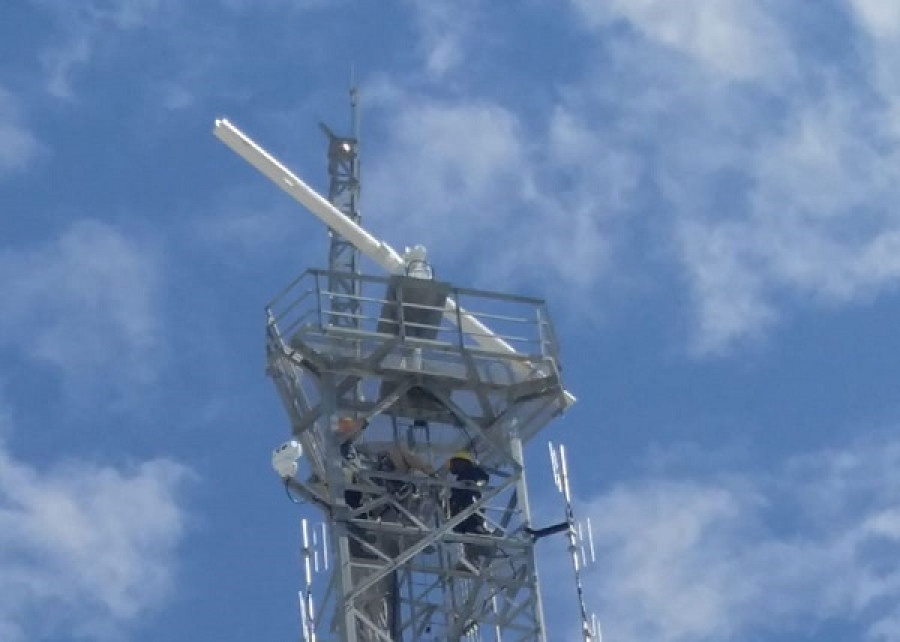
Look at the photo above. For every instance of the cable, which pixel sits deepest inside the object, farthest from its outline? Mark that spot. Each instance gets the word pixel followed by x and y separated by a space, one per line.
pixel 287 491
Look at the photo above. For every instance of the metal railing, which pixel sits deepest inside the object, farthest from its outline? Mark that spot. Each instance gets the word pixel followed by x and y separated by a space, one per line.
pixel 415 311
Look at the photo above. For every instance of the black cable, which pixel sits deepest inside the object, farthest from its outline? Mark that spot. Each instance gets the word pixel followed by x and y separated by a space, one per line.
pixel 287 491
pixel 538 533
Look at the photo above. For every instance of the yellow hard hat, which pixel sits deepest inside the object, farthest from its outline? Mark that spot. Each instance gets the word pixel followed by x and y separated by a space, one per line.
pixel 464 454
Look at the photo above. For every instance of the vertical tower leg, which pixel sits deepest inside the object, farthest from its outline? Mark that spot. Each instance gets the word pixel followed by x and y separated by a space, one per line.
pixel 515 443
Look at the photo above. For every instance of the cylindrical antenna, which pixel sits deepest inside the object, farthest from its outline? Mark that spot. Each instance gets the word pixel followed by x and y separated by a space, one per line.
pixel 306 611
pixel 304 621
pixel 591 540
pixel 315 551
pixel 498 637
pixel 554 462
pixel 307 553
pixel 581 544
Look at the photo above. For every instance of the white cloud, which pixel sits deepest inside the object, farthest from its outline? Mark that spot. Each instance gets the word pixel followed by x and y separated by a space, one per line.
pixel 704 126
pixel 191 59
pixel 471 181
pixel 740 554
pixel 444 30
pixel 450 175
pixel 83 26
pixel 85 303
pixel 819 221
pixel 243 226
pixel 85 549
pixel 729 296
pixel 735 38
pixel 766 172
pixel 881 19
pixel 879 48
pixel 703 131
pixel 18 146
pixel 452 161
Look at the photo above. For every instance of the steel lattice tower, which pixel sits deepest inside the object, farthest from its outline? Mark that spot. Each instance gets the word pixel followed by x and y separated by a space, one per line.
pixel 402 572
pixel 432 370
pixel 343 192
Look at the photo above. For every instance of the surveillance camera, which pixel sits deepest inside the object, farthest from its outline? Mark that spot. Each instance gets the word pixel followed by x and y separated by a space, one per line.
pixel 284 458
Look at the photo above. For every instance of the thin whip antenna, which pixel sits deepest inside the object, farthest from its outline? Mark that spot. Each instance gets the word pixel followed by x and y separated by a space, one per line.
pixel 354 105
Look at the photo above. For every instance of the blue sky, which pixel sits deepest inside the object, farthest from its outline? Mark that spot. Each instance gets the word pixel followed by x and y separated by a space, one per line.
pixel 704 192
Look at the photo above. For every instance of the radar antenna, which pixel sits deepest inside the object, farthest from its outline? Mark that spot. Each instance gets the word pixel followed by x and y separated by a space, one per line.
pixel 408 417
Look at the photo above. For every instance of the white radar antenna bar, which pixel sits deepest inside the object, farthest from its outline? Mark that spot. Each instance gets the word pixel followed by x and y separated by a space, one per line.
pixel 377 250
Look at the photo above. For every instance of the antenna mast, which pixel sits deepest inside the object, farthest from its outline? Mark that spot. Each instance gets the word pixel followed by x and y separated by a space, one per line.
pixel 343 192
pixel 575 534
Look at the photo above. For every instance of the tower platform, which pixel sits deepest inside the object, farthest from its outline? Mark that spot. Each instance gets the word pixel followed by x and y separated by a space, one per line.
pixel 412 561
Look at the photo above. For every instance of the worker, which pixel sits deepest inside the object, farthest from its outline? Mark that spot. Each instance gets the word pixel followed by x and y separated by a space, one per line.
pixel 396 457
pixel 467 472
pixel 392 458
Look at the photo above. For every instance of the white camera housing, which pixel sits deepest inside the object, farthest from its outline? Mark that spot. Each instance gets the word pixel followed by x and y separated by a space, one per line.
pixel 284 458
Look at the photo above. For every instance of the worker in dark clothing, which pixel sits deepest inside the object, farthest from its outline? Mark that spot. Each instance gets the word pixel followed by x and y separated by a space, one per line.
pixel 466 470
